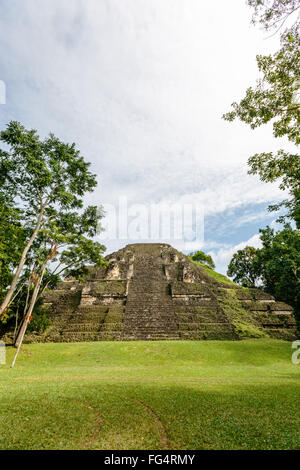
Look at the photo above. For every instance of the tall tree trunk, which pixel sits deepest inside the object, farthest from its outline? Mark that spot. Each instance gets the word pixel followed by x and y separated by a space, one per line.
pixel 12 288
pixel 25 309
pixel 23 328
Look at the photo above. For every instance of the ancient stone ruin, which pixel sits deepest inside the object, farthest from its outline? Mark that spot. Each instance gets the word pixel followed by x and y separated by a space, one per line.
pixel 154 292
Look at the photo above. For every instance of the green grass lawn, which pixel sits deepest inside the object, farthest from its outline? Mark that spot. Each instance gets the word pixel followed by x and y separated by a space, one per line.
pixel 151 395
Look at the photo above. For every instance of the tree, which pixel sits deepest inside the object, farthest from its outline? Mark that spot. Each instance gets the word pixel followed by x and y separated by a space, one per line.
pixel 279 259
pixel 275 96
pixel 275 99
pixel 61 242
pixel 276 266
pixel 12 236
pixel 272 14
pixel 43 182
pixel 245 268
pixel 201 257
pixel 47 177
pixel 285 167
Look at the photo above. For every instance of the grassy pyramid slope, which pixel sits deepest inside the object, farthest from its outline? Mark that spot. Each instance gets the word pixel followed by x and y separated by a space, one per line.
pixel 217 276
pixel 253 313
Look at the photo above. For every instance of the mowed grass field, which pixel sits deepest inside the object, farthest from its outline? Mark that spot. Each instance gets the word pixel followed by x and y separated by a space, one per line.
pixel 151 395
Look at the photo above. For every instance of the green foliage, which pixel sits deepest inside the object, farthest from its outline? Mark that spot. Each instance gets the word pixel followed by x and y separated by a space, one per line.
pixel 45 182
pixel 276 264
pixel 12 239
pixel 17 308
pixel 64 244
pixel 248 330
pixel 275 98
pixel 275 95
pixel 113 287
pixel 203 258
pixel 284 167
pixel 39 322
pixel 244 267
pixel 280 264
pixel 43 172
pixel 244 324
pixel 272 14
pixel 217 276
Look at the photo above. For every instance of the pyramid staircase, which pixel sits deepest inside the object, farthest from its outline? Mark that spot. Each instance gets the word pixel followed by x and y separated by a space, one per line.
pixel 149 312
pixel 154 292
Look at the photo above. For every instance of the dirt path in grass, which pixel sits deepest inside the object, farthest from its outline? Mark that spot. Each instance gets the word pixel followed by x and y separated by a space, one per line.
pixel 93 438
pixel 164 440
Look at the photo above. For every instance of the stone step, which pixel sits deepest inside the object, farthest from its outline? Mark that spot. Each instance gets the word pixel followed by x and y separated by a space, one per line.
pixel 201 327
pixel 149 310
pixel 207 335
pixel 155 314
pixel 78 327
pixel 198 318
pixel 151 338
pixel 89 336
pixel 151 330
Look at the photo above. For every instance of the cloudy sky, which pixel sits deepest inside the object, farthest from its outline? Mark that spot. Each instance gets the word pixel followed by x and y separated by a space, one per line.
pixel 140 86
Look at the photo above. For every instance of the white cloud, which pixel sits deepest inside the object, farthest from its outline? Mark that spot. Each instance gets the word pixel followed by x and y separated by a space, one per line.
pixel 223 255
pixel 140 86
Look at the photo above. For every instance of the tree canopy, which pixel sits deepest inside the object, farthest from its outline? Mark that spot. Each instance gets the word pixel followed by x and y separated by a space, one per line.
pixel 202 257
pixel 45 228
pixel 244 267
pixel 275 267
pixel 284 167
pixel 272 14
pixel 45 181
pixel 275 99
pixel 279 259
pixel 12 239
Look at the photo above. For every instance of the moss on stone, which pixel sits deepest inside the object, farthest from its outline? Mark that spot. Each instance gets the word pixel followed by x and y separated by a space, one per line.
pixel 217 276
pixel 245 324
pixel 187 288
pixel 245 329
pixel 108 287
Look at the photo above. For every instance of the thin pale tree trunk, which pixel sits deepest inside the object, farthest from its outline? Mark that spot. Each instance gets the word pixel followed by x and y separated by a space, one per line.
pixel 59 272
pixel 23 328
pixel 12 288
pixel 25 308
pixel 16 324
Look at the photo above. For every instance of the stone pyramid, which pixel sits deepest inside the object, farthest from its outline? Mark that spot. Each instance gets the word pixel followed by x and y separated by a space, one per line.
pixel 154 292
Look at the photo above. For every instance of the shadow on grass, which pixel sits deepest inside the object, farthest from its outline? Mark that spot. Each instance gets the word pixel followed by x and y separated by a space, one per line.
pixel 94 416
